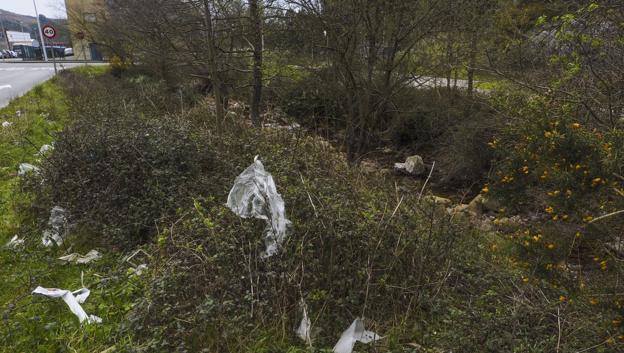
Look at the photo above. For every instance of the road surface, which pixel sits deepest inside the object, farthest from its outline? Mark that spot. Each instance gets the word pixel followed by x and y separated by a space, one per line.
pixel 17 78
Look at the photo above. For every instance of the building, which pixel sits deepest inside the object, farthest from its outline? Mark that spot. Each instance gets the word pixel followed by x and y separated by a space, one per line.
pixel 19 38
pixel 83 16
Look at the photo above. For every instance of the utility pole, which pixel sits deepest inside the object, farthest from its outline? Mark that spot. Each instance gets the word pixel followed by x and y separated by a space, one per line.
pixel 45 54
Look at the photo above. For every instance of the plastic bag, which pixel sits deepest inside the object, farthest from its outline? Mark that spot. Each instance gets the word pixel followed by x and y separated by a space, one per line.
pixel 25 168
pixel 254 195
pixel 355 333
pixel 305 327
pixel 73 301
pixel 15 242
pixel 58 227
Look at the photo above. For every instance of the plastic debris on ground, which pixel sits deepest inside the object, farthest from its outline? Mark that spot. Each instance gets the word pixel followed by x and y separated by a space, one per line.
pixel 45 149
pixel 15 242
pixel 355 333
pixel 76 258
pixel 305 327
pixel 254 195
pixel 58 227
pixel 72 299
pixel 6 124
pixel 25 168
pixel 137 271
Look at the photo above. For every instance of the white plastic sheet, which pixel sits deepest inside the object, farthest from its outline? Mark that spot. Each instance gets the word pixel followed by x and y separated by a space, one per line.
pixel 76 258
pixel 58 226
pixel 45 149
pixel 73 301
pixel 355 333
pixel 254 195
pixel 6 124
pixel 15 242
pixel 305 327
pixel 25 168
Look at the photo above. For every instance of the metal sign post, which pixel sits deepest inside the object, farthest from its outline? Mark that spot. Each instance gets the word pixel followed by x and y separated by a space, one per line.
pixel 49 32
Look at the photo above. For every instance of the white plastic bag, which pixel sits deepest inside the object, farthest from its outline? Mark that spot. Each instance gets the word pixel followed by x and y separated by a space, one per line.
pixel 73 301
pixel 305 327
pixel 25 168
pixel 15 242
pixel 254 195
pixel 355 333
pixel 58 227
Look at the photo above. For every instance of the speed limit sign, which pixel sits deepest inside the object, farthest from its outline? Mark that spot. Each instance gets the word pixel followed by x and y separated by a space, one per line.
pixel 48 31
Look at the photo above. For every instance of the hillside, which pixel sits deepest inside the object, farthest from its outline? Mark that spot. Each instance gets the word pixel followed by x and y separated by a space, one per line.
pixel 17 22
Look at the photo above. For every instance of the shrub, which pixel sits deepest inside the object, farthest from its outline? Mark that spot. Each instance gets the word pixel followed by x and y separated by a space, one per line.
pixel 123 174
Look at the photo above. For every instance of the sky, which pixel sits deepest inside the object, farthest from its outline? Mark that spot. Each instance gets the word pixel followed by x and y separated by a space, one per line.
pixel 49 8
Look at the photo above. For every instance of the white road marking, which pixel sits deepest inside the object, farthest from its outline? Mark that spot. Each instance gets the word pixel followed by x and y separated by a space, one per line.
pixel 5 86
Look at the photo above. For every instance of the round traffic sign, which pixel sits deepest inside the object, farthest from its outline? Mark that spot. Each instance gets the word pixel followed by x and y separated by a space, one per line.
pixel 48 31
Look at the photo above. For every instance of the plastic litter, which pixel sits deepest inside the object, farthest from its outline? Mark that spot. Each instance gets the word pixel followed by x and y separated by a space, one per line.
pixel 45 149
pixel 305 327
pixel 58 225
pixel 25 168
pixel 355 333
pixel 72 299
pixel 15 242
pixel 6 124
pixel 137 271
pixel 76 258
pixel 254 195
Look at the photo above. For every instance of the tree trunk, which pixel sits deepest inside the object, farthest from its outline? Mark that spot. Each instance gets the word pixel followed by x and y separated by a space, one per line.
pixel 255 15
pixel 212 62
pixel 472 62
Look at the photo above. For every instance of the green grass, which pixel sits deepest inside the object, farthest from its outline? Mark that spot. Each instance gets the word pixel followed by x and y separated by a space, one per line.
pixel 36 324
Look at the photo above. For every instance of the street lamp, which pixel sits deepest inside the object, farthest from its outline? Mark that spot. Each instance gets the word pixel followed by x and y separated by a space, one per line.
pixel 45 55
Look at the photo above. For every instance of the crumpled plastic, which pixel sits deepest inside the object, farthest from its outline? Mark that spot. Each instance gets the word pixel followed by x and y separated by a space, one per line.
pixel 15 242
pixel 25 168
pixel 45 149
pixel 355 333
pixel 305 327
pixel 73 301
pixel 254 195
pixel 76 258
pixel 58 226
pixel 6 124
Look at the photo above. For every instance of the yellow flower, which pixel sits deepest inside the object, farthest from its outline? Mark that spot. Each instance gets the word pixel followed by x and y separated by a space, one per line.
pixel 616 322
pixel 550 246
pixel 578 234
pixel 485 190
pixel 549 209
pixel 588 218
pixel 576 126
pixel 525 279
pixel 525 169
pixel 603 265
pixel 596 181
pixel 548 134
pixel 578 166
pixel 593 301
pixel 562 298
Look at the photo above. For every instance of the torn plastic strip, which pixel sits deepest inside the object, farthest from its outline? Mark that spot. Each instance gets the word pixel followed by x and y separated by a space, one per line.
pixel 76 258
pixel 305 327
pixel 254 195
pixel 73 301
pixel 15 242
pixel 355 333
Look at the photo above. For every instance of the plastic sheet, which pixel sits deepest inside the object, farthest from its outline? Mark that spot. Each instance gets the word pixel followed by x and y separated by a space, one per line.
pixel 355 333
pixel 254 195
pixel 58 227
pixel 45 149
pixel 6 124
pixel 76 258
pixel 15 242
pixel 305 327
pixel 26 168
pixel 73 301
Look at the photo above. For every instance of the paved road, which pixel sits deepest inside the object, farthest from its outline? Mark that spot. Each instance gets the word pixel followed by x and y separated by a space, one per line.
pixel 18 78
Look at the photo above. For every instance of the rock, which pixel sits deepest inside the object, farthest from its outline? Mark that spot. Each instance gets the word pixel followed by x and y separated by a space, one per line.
pixel 617 246
pixel 413 165
pixel 461 213
pixel 437 200
pixel 482 204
